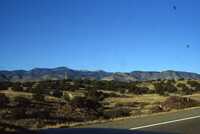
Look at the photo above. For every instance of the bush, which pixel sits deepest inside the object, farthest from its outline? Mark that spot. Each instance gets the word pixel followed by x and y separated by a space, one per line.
pixel 5 85
pixel 22 101
pixel 95 95
pixel 17 86
pixel 176 102
pixel 157 109
pixel 18 113
pixel 86 103
pixel 159 88
pixel 184 89
pixel 142 90
pixel 39 97
pixel 38 93
pixel 88 106
pixel 4 100
pixel 118 112
pixel 128 104
pixel 194 84
pixel 163 88
pixel 56 93
pixel 138 90
pixel 67 96
pixel 39 113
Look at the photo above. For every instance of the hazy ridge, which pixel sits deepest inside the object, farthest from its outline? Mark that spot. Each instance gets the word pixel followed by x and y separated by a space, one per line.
pixel 59 73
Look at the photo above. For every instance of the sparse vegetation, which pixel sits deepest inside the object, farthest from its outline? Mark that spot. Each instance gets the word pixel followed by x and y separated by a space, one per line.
pixel 117 112
pixel 175 102
pixel 48 103
pixel 165 87
pixel 4 100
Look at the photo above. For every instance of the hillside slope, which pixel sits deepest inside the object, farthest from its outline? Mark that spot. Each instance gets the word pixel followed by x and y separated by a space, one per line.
pixel 59 73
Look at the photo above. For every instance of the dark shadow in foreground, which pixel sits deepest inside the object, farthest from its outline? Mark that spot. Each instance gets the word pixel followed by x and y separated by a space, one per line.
pixel 95 131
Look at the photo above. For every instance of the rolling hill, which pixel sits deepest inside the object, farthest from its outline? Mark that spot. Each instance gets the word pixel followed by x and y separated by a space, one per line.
pixel 38 74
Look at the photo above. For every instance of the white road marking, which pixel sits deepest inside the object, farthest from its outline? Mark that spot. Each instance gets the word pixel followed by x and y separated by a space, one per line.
pixel 167 122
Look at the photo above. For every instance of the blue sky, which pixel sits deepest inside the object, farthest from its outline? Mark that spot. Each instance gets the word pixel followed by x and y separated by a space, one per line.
pixel 111 35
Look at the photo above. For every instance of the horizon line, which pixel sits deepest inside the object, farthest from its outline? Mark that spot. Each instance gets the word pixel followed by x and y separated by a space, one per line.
pixel 96 70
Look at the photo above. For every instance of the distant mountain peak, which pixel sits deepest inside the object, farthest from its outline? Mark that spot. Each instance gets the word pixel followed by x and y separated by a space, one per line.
pixel 59 73
pixel 62 68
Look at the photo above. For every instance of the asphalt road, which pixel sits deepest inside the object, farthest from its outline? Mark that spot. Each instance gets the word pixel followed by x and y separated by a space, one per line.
pixel 181 122
pixel 95 131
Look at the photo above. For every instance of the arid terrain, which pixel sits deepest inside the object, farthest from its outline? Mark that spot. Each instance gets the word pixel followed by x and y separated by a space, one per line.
pixel 71 103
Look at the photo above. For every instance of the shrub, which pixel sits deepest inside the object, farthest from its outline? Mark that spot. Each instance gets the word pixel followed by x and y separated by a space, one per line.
pixel 163 88
pixel 95 95
pixel 56 93
pixel 38 93
pixel 159 88
pixel 157 109
pixel 89 106
pixel 184 89
pixel 194 84
pixel 138 90
pixel 22 101
pixel 39 113
pixel 118 112
pixel 176 102
pixel 4 85
pixel 18 113
pixel 17 86
pixel 82 102
pixel 38 97
pixel 4 100
pixel 63 111
pixel 127 104
pixel 67 96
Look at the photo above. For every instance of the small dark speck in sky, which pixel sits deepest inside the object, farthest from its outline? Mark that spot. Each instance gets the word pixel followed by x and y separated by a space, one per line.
pixel 174 7
pixel 188 46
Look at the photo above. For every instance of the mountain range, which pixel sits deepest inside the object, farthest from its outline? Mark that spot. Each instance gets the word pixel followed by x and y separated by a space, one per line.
pixel 59 73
